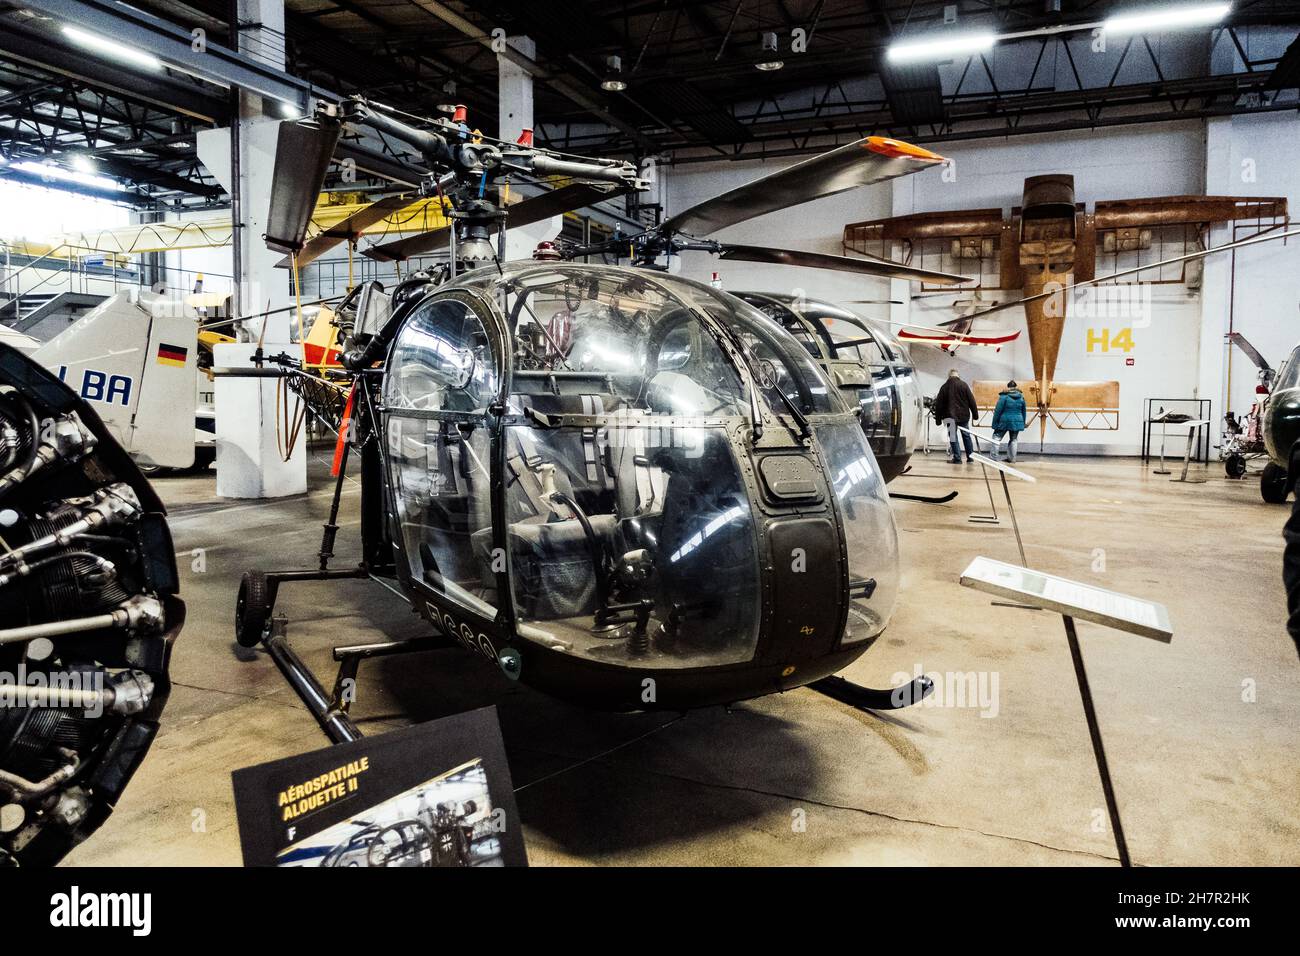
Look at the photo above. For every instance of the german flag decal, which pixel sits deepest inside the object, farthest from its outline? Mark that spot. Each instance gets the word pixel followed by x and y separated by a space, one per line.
pixel 172 355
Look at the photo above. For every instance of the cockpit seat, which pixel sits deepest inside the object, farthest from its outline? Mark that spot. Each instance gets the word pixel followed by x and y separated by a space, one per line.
pixel 639 485
pixel 551 564
pixel 575 453
pixel 549 550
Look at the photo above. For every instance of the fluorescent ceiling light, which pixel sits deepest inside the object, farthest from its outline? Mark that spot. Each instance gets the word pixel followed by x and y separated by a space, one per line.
pixel 940 47
pixel 50 171
pixel 83 164
pixel 1155 19
pixel 109 48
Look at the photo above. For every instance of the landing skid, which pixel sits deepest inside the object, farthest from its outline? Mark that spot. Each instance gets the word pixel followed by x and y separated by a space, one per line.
pixel 873 698
pixel 926 499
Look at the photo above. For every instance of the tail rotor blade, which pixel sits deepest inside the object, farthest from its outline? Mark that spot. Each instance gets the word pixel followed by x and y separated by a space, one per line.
pixel 1239 340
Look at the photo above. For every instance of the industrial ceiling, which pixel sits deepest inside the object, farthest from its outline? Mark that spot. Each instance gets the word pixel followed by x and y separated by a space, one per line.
pixel 702 80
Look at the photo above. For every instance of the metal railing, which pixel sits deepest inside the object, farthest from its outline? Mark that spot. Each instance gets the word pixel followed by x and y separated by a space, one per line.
pixel 66 269
pixel 330 277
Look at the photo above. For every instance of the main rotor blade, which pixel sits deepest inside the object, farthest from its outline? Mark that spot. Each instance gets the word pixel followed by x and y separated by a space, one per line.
pixel 533 209
pixel 870 160
pixel 820 260
pixel 1248 241
pixel 349 228
pixel 1239 340
pixel 303 150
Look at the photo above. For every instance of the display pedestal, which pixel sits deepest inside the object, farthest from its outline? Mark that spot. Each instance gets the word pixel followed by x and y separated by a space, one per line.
pixel 1193 429
pixel 1074 599
pixel 1003 469
pixel 251 432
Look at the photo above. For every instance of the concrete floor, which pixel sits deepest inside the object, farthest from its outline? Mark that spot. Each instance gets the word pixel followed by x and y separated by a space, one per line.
pixel 1203 776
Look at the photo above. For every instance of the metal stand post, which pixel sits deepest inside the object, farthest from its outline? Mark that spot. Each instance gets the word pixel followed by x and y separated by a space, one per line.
pixel 1098 750
pixel 1192 431
pixel 1161 470
pixel 993 518
pixel 331 528
pixel 1006 490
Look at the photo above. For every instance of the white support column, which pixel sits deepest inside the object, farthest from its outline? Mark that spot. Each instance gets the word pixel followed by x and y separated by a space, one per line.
pixel 902 192
pixel 249 462
pixel 516 90
pixel 1216 279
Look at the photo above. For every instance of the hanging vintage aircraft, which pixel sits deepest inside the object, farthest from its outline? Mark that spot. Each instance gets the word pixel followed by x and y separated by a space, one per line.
pixel 622 487
pixel 1047 248
pixel 952 334
pixel 950 340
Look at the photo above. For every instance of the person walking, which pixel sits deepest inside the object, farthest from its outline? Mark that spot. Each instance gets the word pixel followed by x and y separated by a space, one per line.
pixel 954 407
pixel 1009 417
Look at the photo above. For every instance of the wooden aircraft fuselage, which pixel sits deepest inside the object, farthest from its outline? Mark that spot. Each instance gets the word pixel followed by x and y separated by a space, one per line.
pixel 1046 246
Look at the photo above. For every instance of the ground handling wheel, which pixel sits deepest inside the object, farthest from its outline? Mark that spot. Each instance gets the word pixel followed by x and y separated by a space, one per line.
pixel 1272 484
pixel 252 609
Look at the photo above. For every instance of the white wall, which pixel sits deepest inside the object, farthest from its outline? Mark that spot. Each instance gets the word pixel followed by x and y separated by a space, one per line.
pixel 183 266
pixel 1253 156
pixel 1179 354
pixel 1116 163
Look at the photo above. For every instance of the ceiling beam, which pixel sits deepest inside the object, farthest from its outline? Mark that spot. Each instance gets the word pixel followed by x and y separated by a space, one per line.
pixel 558 82
pixel 160 91
pixel 215 64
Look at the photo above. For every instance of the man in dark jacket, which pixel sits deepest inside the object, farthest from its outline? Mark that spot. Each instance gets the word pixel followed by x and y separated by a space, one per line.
pixel 955 406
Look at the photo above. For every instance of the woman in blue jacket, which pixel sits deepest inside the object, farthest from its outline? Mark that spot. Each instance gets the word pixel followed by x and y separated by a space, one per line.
pixel 1009 417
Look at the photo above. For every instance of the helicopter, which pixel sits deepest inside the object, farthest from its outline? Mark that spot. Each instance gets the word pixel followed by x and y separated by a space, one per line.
pixel 1280 427
pixel 865 362
pixel 622 487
